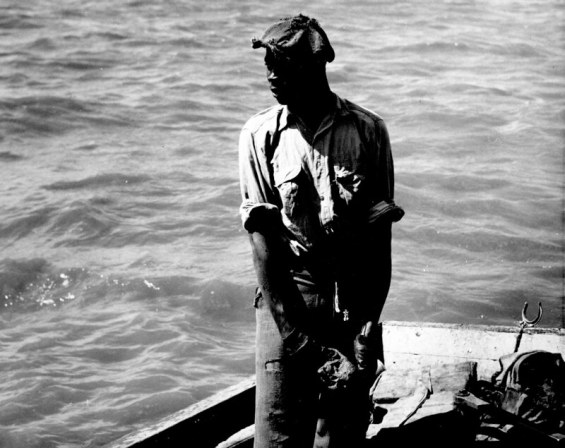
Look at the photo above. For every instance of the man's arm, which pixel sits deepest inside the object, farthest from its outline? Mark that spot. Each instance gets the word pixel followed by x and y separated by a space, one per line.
pixel 261 218
pixel 381 216
pixel 277 287
pixel 380 271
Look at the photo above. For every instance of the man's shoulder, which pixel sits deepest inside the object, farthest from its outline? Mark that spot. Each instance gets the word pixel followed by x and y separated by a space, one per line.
pixel 363 114
pixel 266 119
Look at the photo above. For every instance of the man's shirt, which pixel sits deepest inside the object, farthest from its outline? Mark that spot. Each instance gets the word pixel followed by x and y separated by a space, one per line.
pixel 327 186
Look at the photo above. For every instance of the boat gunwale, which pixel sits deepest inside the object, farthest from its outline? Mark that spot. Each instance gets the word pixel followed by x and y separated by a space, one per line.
pixel 479 327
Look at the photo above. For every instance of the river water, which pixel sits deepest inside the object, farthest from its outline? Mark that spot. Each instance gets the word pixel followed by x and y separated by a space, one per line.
pixel 125 278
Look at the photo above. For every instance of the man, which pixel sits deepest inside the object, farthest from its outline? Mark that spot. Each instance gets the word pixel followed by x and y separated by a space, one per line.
pixel 317 185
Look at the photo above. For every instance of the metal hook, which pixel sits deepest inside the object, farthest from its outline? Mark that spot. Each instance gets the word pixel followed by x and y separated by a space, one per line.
pixel 526 323
pixel 530 323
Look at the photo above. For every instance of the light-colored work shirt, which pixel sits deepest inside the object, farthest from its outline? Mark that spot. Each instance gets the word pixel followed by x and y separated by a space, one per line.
pixel 328 187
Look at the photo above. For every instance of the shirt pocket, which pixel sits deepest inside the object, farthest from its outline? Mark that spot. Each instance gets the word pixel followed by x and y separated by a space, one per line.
pixel 288 180
pixel 350 185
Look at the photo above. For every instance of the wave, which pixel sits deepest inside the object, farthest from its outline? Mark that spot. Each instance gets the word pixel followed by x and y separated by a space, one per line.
pixel 29 284
pixel 99 181
pixel 76 223
pixel 25 222
pixel 226 300
pixel 82 223
pixel 45 105
pixel 108 35
pixel 84 63
pixel 91 222
pixel 42 44
pixel 42 114
pixel 18 21
pixel 47 114
pixel 9 156
pixel 423 48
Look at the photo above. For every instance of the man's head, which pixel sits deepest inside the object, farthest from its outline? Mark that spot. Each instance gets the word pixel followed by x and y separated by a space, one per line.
pixel 297 50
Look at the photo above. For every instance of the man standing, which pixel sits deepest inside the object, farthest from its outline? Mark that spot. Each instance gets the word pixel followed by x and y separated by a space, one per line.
pixel 317 186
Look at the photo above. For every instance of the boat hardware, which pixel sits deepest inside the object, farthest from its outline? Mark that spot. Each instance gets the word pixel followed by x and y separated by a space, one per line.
pixel 527 323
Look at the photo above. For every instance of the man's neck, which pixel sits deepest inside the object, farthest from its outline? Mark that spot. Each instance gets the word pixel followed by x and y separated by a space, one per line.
pixel 313 109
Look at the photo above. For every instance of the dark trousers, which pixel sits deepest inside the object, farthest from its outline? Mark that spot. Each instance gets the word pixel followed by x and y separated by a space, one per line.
pixel 292 409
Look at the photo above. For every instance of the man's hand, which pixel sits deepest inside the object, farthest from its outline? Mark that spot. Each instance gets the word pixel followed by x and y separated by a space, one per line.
pixel 335 371
pixel 367 349
pixel 365 352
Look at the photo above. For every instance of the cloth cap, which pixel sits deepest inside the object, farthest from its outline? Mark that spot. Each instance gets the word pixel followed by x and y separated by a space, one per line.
pixel 297 37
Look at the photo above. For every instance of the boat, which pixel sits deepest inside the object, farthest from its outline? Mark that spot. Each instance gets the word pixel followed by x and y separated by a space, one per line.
pixel 225 419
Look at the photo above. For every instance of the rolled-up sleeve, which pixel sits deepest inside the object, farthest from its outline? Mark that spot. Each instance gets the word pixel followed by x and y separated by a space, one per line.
pixel 256 189
pixel 384 208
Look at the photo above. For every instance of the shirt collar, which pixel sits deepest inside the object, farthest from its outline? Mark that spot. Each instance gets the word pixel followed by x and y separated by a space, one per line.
pixel 340 109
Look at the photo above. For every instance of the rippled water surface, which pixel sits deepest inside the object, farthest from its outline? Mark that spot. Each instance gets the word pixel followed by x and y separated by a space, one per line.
pixel 125 279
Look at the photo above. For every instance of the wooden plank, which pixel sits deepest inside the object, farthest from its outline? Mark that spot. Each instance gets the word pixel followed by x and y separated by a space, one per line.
pixel 396 383
pixel 240 439
pixel 206 423
pixel 414 345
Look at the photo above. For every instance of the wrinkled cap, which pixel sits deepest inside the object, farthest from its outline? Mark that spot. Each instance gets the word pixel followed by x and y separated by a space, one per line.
pixel 297 37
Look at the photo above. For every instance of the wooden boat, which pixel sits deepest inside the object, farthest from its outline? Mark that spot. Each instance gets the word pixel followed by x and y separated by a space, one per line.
pixel 226 418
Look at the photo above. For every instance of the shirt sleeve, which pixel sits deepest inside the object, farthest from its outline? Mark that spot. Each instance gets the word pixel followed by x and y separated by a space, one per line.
pixel 383 207
pixel 256 188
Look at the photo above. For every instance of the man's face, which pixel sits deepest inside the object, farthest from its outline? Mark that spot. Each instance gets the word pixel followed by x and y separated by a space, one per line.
pixel 288 79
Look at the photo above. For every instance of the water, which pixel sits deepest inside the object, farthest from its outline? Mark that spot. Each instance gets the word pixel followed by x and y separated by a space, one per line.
pixel 126 281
